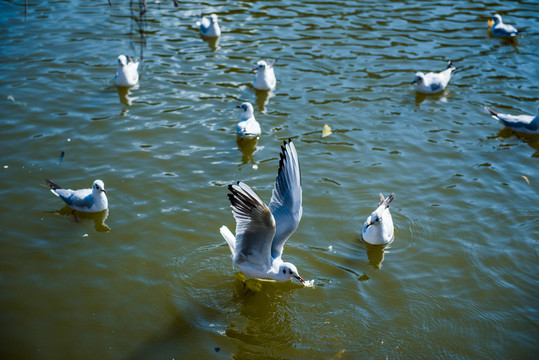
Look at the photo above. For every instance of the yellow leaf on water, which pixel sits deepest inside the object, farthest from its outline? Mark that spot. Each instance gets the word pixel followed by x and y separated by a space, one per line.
pixel 526 179
pixel 327 131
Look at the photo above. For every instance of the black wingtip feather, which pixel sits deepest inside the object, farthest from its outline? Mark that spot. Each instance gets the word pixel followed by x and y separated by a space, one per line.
pixel 241 201
pixel 282 155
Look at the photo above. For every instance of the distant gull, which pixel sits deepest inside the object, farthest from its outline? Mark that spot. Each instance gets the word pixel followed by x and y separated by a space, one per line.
pixel 127 74
pixel 209 27
pixel 498 28
pixel 431 83
pixel 378 228
pixel 265 75
pixel 261 230
pixel 524 123
pixel 247 127
pixel 86 200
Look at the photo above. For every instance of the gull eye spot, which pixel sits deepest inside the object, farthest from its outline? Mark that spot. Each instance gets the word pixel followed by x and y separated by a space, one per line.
pixel 284 271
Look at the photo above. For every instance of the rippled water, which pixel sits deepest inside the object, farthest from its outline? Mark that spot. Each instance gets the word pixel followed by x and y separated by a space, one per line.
pixel 460 279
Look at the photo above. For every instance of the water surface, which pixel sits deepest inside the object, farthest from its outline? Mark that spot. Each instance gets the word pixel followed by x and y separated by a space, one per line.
pixel 460 279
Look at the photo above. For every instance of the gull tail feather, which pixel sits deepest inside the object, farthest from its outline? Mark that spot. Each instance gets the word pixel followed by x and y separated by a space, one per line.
pixel 230 239
pixel 492 112
pixel 53 186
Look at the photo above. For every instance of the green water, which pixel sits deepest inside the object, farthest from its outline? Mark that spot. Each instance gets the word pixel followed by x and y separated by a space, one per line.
pixel 460 280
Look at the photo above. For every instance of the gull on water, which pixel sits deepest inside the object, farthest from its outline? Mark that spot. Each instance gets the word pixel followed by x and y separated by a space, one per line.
pixel 498 28
pixel 524 123
pixel 378 228
pixel 261 230
pixel 86 200
pixel 431 83
pixel 209 27
pixel 247 127
pixel 127 74
pixel 265 75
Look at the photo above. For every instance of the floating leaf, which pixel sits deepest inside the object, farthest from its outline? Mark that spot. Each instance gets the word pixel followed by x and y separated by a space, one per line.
pixel 526 179
pixel 327 131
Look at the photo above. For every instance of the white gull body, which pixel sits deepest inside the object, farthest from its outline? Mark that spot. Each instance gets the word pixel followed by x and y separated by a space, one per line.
pixel 498 28
pixel 378 228
pixel 431 83
pixel 86 200
pixel 127 74
pixel 209 27
pixel 265 76
pixel 524 123
pixel 247 127
pixel 261 230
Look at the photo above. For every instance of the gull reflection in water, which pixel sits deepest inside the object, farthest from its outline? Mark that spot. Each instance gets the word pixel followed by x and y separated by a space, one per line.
pixel 262 99
pixel 267 314
pixel 124 92
pixel 505 135
pixel 441 96
pixel 98 217
pixel 213 42
pixel 248 148
pixel 375 254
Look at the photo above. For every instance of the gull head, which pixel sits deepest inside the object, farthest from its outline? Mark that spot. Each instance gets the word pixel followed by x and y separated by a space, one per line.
pixel 377 215
pixel 287 271
pixel 374 219
pixel 419 78
pixel 122 60
pixel 213 18
pixel 260 66
pixel 248 111
pixel 497 19
pixel 98 187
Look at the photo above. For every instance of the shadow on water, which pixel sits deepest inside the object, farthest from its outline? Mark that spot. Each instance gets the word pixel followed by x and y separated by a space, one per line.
pixel 262 312
pixel 98 217
pixel 248 148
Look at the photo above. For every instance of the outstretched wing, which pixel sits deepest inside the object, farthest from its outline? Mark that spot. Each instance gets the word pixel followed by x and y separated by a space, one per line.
pixel 285 204
pixel 255 226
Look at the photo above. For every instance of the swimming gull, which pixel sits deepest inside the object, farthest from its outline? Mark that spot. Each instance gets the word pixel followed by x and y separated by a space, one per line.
pixel 127 74
pixel 378 228
pixel 498 28
pixel 431 83
pixel 265 75
pixel 247 127
pixel 86 200
pixel 524 123
pixel 209 27
pixel 261 230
